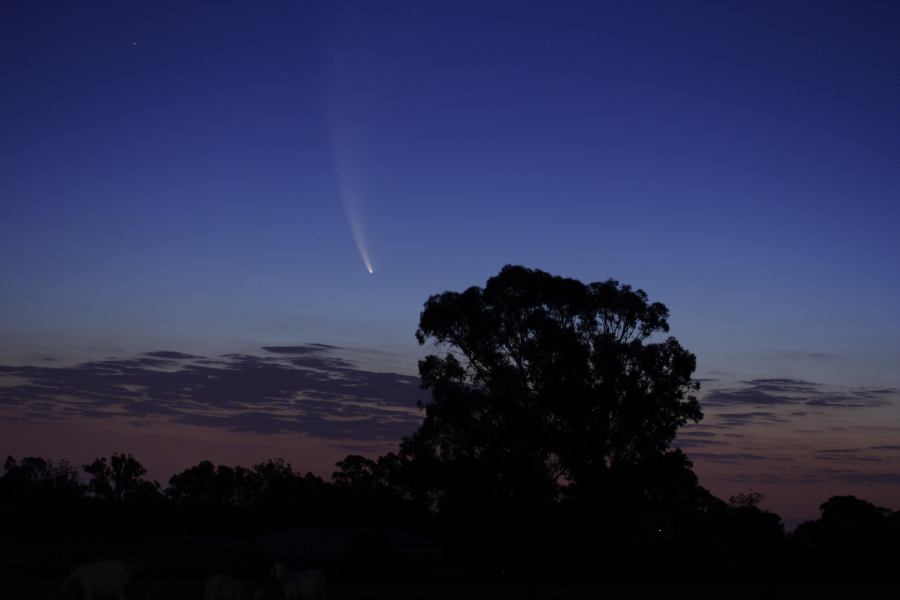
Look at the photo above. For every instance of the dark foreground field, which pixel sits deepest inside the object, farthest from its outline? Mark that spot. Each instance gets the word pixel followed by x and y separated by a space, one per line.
pixel 371 563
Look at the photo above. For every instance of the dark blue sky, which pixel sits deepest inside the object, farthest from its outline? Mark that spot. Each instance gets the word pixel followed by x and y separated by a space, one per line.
pixel 188 176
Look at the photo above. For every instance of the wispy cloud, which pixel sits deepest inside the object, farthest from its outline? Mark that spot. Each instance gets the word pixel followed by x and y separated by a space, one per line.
pixel 729 457
pixel 866 478
pixel 867 454
pixel 307 389
pixel 736 418
pixel 696 443
pixel 792 392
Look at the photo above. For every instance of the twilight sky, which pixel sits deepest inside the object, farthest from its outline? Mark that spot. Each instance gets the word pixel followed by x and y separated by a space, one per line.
pixel 187 191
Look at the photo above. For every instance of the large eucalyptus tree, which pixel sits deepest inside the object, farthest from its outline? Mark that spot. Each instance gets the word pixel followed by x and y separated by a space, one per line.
pixel 547 388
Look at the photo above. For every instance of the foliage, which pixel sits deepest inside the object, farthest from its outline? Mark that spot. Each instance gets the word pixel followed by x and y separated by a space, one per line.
pixel 750 499
pixel 551 389
pixel 34 478
pixel 849 522
pixel 673 521
pixel 120 478
pixel 211 486
pixel 360 474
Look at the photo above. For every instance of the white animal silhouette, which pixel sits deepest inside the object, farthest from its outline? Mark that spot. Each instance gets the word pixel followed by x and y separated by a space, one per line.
pixel 299 585
pixel 105 579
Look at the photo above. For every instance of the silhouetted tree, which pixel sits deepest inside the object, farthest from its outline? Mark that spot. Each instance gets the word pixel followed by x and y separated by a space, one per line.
pixel 196 485
pixel 850 513
pixel 370 496
pixel 663 495
pixel 274 478
pixel 853 540
pixel 38 478
pixel 209 486
pixel 275 484
pixel 551 388
pixel 40 498
pixel 120 478
pixel 750 499
pixel 747 523
pixel 847 522
pixel 359 474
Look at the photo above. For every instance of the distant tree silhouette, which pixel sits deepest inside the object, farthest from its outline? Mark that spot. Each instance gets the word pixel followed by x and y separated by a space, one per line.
pixel 276 486
pixel 551 389
pixel 750 499
pixel 370 494
pixel 384 537
pixel 39 478
pixel 267 496
pixel 273 479
pixel 848 521
pixel 853 540
pixel 206 485
pixel 747 523
pixel 120 478
pixel 359 474
pixel 853 514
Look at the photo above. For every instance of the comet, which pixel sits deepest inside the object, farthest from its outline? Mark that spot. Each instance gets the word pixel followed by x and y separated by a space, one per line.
pixel 350 200
pixel 345 133
pixel 356 230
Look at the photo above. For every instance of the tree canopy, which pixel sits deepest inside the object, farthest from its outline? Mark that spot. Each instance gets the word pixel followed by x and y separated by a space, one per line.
pixel 120 478
pixel 549 389
pixel 35 477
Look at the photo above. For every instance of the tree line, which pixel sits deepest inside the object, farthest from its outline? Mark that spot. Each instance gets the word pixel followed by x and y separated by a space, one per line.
pixel 47 502
pixel 547 437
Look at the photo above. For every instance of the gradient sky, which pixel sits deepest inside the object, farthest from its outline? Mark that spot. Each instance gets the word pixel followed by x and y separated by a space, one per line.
pixel 191 177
